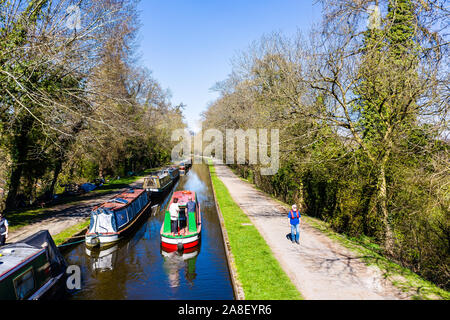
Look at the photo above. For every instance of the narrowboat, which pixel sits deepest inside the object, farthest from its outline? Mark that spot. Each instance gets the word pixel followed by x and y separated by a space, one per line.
pixel 188 163
pixel 157 183
pixel 184 166
pixel 188 233
pixel 32 269
pixel 173 172
pixel 182 169
pixel 113 219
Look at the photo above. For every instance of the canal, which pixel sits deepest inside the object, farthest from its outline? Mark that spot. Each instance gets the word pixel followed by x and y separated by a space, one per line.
pixel 136 268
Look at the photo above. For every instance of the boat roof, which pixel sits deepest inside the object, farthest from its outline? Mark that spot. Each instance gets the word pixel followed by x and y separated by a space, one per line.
pixel 158 174
pixel 121 200
pixel 183 196
pixel 171 168
pixel 13 255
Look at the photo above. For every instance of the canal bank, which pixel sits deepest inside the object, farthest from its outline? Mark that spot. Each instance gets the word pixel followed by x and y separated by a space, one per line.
pixel 320 268
pixel 238 289
pixel 257 273
pixel 401 277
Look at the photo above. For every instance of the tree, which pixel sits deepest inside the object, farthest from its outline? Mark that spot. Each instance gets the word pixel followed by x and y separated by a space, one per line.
pixel 363 115
pixel 44 69
pixel 372 80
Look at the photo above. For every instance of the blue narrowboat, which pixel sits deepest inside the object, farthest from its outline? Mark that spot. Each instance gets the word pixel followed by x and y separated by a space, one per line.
pixel 114 218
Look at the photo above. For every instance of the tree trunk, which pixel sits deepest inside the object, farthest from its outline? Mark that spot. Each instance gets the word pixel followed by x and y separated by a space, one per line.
pixel 382 204
pixel 56 173
pixel 13 188
pixel 20 154
pixel 14 182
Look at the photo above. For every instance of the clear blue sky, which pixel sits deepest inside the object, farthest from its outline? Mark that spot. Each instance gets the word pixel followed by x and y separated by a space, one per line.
pixel 188 44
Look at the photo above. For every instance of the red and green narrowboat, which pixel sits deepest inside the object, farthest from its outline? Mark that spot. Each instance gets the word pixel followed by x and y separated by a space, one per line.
pixel 188 233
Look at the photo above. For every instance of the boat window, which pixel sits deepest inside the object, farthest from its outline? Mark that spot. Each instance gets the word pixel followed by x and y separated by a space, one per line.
pixel 143 199
pixel 24 284
pixel 150 183
pixel 121 218
pixel 132 210
pixel 113 222
pixel 166 180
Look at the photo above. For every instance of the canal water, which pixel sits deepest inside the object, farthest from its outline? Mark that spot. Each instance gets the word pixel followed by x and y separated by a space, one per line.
pixel 136 268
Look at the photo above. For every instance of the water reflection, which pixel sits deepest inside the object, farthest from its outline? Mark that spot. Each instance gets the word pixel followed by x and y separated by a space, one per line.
pixel 103 260
pixel 176 261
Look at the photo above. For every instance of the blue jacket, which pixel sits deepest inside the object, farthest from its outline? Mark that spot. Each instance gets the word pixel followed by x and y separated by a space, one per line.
pixel 295 217
pixel 3 225
pixel 190 206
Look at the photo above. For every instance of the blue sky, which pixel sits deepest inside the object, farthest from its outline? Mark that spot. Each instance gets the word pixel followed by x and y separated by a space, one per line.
pixel 188 44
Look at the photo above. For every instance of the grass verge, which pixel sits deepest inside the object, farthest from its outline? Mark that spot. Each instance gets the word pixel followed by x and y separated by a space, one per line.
pixel 403 278
pixel 65 235
pixel 259 273
pixel 368 251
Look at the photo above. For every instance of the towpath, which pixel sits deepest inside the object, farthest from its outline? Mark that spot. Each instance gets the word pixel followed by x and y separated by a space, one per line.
pixel 319 267
pixel 63 216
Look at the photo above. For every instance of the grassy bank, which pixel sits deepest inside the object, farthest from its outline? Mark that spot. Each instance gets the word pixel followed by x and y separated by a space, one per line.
pixel 369 252
pixel 67 234
pixel 259 273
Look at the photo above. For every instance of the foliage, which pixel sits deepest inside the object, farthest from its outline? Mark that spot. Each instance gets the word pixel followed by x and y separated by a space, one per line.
pixel 74 104
pixel 362 111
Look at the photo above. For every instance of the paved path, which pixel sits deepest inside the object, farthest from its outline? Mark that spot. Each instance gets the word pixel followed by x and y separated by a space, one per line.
pixel 319 267
pixel 64 216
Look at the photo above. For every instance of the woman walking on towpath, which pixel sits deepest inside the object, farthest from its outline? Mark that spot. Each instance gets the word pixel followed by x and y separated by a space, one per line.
pixel 294 220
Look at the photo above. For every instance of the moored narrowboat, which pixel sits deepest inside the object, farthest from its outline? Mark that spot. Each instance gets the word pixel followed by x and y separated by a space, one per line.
pixel 182 169
pixel 114 218
pixel 32 269
pixel 158 183
pixel 188 232
pixel 188 163
pixel 174 173
pixel 184 166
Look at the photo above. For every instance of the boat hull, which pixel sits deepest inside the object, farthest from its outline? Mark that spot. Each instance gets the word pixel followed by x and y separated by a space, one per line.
pixel 160 192
pixel 178 243
pixel 93 241
pixel 52 290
